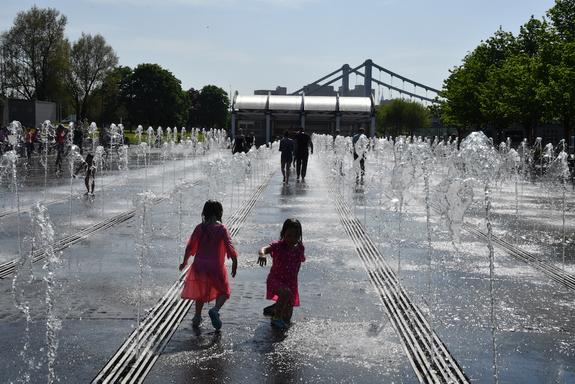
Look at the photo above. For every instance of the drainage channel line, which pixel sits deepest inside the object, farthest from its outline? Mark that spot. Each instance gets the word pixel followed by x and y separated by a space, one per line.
pixel 552 271
pixel 136 356
pixel 555 273
pixel 7 268
pixel 429 357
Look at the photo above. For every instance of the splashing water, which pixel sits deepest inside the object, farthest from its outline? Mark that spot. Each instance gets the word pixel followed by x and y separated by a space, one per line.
pixel 143 203
pixel 93 132
pixel 43 239
pixel 482 162
pixel 74 158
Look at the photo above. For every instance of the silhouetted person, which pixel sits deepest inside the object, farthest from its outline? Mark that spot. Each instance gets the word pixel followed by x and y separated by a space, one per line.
pixel 239 142
pixel 89 179
pixel 29 139
pixel 249 141
pixel 78 139
pixel 303 145
pixel 359 149
pixel 61 133
pixel 286 148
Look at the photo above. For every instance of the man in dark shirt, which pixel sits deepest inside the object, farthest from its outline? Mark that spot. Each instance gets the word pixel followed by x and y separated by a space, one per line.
pixel 286 148
pixel 249 141
pixel 239 142
pixel 302 144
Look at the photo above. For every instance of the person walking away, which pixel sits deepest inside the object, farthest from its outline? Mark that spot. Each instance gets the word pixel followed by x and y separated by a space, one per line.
pixel 282 284
pixel 303 145
pixel 250 140
pixel 90 178
pixel 78 139
pixel 29 139
pixel 239 143
pixel 207 278
pixel 286 148
pixel 60 146
pixel 359 142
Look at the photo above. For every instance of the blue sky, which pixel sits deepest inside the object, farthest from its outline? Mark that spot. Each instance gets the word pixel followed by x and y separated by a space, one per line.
pixel 258 44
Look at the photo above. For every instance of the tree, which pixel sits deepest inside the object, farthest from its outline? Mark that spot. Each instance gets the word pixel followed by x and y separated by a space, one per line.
pixel 511 94
pixel 154 97
pixel 467 87
pixel 107 104
pixel 560 89
pixel 213 107
pixel 193 108
pixel 562 14
pixel 401 117
pixel 91 59
pixel 35 53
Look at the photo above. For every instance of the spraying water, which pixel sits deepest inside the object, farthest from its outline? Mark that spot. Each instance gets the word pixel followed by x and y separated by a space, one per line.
pixel 482 163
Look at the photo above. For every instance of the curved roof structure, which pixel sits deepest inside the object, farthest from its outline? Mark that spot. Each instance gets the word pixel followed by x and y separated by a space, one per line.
pixel 302 103
pixel 355 104
pixel 255 102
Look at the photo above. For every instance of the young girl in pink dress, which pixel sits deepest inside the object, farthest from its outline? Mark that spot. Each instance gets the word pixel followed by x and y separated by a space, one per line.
pixel 287 256
pixel 207 278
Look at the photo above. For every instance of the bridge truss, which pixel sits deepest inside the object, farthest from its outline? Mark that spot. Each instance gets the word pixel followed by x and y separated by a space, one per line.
pixel 419 91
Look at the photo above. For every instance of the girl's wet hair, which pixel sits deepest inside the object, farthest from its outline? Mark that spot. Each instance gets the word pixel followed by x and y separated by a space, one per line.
pixel 212 209
pixel 293 224
pixel 89 158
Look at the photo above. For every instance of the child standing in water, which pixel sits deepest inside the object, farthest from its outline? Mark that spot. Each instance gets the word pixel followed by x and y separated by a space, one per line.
pixel 207 278
pixel 282 287
pixel 90 167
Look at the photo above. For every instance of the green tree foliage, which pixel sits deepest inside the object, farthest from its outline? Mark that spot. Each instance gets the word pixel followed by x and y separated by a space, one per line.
pixel 154 96
pixel 213 104
pixel 562 14
pixel 401 117
pixel 560 89
pixel 524 79
pixel 91 59
pixel 193 108
pixel 35 55
pixel 107 104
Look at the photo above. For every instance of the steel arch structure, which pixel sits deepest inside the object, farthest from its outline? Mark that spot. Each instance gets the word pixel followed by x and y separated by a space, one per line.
pixel 365 70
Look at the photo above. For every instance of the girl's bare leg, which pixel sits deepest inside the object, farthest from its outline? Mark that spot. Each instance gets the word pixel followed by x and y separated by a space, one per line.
pixel 199 306
pixel 220 301
pixel 283 309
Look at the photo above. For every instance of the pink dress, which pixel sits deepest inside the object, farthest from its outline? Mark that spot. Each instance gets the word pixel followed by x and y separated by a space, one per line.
pixel 207 278
pixel 286 262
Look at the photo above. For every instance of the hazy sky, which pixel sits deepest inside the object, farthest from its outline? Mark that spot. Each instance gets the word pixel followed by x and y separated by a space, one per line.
pixel 258 44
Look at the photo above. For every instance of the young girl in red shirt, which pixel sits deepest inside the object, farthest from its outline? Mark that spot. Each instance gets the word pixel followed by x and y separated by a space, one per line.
pixel 282 286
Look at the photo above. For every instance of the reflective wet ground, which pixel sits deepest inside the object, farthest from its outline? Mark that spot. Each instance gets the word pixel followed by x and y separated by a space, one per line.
pixel 341 332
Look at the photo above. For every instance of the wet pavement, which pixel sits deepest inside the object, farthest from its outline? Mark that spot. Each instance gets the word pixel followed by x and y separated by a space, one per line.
pixel 341 332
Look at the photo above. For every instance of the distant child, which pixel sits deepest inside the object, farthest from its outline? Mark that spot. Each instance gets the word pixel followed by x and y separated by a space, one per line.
pixel 287 256
pixel 89 179
pixel 207 278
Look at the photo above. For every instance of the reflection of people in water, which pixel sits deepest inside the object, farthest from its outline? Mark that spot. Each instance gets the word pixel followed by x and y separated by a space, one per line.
pixel 89 179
